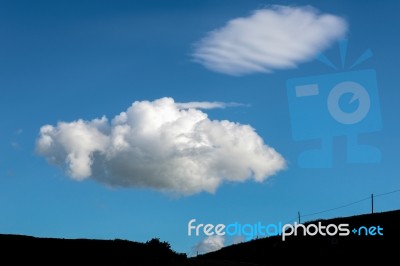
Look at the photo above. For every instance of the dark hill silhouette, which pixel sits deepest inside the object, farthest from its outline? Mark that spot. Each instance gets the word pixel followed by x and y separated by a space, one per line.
pixel 333 249
pixel 54 251
pixel 27 250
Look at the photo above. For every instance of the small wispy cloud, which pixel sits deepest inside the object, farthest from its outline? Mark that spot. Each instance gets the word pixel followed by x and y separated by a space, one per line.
pixel 15 145
pixel 278 37
pixel 207 105
pixel 163 145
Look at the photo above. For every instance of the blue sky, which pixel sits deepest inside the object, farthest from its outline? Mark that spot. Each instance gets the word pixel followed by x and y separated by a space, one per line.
pixel 70 60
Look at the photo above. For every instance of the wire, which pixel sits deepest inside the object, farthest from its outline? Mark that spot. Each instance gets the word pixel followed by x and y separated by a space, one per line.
pixel 347 205
pixel 336 208
pixel 383 194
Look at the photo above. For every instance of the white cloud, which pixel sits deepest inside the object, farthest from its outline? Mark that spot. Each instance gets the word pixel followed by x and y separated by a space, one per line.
pixel 206 105
pixel 209 244
pixel 278 37
pixel 161 146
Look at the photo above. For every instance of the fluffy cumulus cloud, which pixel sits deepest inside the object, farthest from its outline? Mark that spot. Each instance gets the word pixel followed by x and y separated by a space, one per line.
pixel 209 244
pixel 278 37
pixel 161 144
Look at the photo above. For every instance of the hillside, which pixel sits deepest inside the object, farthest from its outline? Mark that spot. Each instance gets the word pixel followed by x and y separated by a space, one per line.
pixel 53 251
pixel 307 249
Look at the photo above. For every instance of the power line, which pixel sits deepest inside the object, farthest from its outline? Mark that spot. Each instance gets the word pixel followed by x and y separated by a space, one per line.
pixel 336 208
pixel 383 194
pixel 347 205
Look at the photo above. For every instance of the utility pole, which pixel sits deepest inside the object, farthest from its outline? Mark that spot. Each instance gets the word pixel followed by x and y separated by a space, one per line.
pixel 298 213
pixel 372 203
